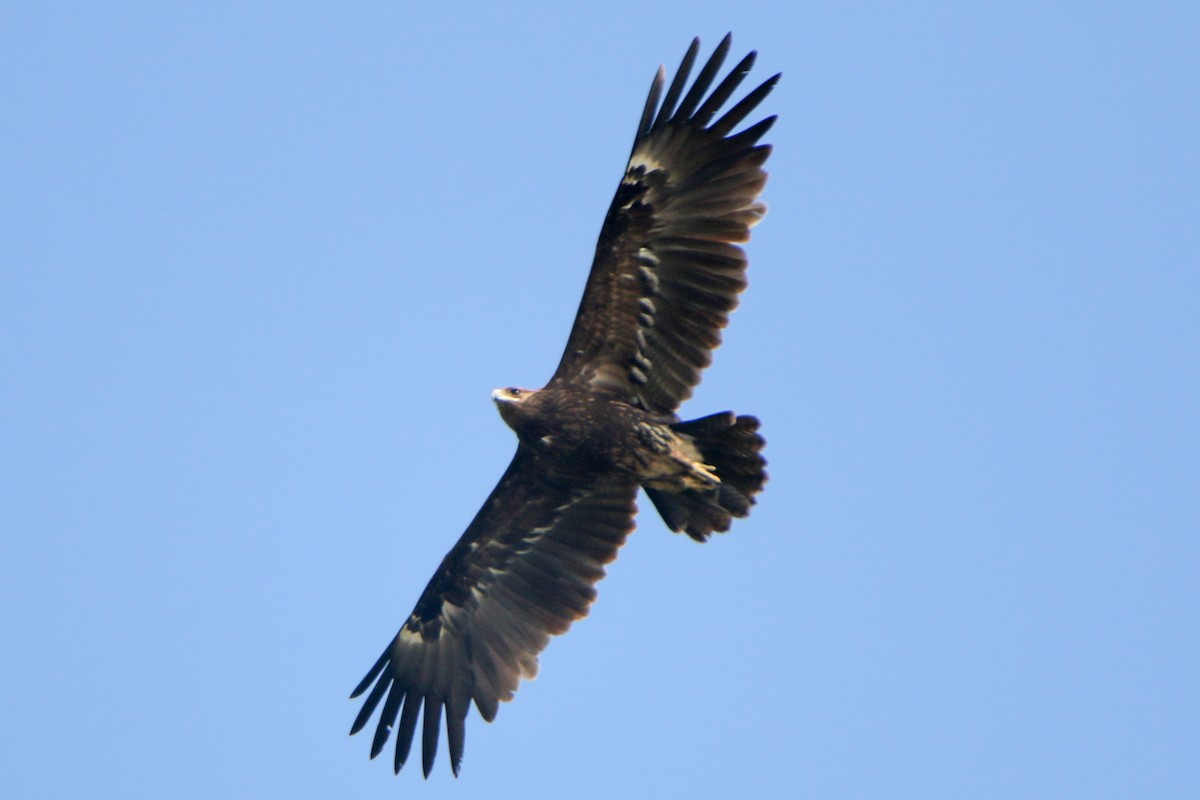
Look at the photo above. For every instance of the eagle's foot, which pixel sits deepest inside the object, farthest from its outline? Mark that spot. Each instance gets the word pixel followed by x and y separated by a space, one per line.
pixel 701 476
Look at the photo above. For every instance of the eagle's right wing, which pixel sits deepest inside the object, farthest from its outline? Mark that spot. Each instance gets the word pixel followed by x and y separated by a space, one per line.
pixel 524 570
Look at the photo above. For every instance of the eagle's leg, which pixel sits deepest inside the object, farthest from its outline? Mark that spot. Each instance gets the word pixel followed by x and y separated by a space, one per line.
pixel 697 475
pixel 672 461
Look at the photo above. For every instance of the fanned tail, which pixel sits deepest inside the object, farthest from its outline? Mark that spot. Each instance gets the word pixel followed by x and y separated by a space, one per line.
pixel 732 446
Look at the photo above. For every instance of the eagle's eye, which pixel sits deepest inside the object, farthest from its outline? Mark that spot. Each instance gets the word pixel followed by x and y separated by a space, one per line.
pixel 514 391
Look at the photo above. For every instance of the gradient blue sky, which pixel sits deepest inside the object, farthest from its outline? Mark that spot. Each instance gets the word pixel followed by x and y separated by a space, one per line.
pixel 262 264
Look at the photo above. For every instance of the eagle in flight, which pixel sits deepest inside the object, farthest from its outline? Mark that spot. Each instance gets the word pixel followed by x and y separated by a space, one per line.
pixel 666 274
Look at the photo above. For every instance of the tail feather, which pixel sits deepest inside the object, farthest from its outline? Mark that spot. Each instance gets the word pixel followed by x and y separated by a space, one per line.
pixel 732 446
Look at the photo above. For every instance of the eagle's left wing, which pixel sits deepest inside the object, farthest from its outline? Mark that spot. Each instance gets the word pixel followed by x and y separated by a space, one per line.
pixel 668 269
pixel 524 570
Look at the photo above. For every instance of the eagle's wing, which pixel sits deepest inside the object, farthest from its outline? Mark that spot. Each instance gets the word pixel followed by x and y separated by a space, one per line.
pixel 524 570
pixel 667 272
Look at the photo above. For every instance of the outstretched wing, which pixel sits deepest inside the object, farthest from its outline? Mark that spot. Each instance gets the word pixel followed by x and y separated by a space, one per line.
pixel 524 570
pixel 667 271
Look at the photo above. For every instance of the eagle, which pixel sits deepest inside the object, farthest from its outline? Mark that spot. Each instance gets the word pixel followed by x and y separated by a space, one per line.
pixel 667 273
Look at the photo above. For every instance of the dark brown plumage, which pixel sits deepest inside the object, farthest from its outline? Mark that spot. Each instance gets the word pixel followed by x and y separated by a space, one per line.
pixel 667 273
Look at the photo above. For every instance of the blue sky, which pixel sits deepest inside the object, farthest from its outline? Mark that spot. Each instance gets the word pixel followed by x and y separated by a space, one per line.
pixel 261 266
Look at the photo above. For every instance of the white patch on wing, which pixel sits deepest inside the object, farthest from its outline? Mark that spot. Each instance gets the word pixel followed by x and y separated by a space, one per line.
pixel 536 533
pixel 647 273
pixel 646 162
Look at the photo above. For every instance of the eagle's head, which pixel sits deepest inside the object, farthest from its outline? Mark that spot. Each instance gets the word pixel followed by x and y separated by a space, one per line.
pixel 509 401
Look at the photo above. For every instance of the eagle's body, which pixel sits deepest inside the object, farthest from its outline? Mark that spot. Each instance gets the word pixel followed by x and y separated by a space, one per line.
pixel 667 272
pixel 584 436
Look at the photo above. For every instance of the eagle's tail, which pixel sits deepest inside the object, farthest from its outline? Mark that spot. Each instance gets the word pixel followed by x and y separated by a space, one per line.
pixel 731 445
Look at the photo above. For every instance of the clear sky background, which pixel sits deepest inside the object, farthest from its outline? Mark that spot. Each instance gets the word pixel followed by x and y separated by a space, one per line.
pixel 263 263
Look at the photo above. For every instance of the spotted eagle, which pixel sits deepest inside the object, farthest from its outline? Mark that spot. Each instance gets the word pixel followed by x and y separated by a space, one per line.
pixel 667 272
